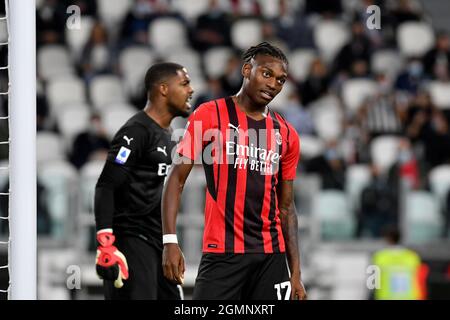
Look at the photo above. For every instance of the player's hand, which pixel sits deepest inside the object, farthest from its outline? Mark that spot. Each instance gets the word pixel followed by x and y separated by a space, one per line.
pixel 173 263
pixel 298 291
pixel 111 264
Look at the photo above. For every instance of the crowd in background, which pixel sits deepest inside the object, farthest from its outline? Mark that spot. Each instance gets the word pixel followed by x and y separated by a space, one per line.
pixel 401 107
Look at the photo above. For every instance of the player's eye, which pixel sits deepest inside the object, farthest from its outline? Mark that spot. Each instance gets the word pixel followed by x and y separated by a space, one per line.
pixel 281 81
pixel 266 74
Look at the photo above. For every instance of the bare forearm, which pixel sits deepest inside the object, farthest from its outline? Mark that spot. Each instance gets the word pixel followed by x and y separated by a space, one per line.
pixel 289 226
pixel 171 197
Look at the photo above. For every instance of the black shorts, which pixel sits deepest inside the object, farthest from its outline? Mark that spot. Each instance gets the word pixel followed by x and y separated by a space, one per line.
pixel 250 276
pixel 146 279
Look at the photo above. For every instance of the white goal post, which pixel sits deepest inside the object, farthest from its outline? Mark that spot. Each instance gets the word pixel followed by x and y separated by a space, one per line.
pixel 21 16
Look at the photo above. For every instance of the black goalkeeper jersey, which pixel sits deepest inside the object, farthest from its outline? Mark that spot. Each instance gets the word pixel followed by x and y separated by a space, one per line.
pixel 129 190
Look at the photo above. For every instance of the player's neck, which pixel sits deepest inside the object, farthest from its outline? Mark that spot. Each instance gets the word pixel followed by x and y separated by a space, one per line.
pixel 244 102
pixel 160 115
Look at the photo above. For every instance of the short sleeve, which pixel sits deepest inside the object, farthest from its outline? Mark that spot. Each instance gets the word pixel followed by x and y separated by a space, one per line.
pixel 128 145
pixel 193 142
pixel 292 156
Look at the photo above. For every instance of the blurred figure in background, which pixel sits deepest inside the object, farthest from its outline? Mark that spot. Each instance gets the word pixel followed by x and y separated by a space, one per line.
pixel 97 54
pixel 91 144
pixel 212 28
pixel 317 82
pixel 213 91
pixel 437 60
pixel 379 204
pixel 402 277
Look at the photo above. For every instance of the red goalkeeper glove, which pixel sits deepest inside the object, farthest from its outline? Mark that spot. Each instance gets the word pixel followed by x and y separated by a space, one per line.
pixel 110 262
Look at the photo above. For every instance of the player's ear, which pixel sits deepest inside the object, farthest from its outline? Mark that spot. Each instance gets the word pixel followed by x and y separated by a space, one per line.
pixel 246 70
pixel 163 89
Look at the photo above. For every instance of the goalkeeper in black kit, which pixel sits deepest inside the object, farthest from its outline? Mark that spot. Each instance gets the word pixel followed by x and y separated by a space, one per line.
pixel 128 192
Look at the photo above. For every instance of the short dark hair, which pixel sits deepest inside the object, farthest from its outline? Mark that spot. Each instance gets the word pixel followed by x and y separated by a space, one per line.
pixel 160 72
pixel 264 48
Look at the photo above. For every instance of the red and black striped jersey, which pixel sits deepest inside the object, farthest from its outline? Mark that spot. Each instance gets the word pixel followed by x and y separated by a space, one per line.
pixel 244 159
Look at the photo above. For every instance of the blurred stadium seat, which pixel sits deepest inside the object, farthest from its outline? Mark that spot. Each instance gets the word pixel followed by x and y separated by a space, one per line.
pixel 115 116
pixel 332 213
pixel 414 38
pixel 77 38
pixel 440 94
pixel 358 176
pixel 73 120
pixel 384 151
pixel 246 33
pixel 356 91
pixel 387 61
pixel 106 90
pixel 167 35
pixel 49 147
pixel 300 63
pixel 65 91
pixel 215 60
pixel 52 61
pixel 134 62
pixel 330 36
pixel 424 222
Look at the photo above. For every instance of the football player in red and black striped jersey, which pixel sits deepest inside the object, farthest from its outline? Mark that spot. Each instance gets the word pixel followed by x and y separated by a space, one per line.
pixel 250 155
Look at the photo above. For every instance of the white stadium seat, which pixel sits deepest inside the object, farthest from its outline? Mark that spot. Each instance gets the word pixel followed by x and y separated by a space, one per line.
pixel 113 11
pixel 355 91
pixel 440 94
pixel 53 61
pixel 115 117
pixel 189 59
pixel 300 63
pixel 167 35
pixel 49 147
pixel 329 37
pixel 59 179
pixel 215 60
pixel 246 33
pixel 333 215
pixel 384 151
pixel 311 146
pixel 358 176
pixel 423 220
pixel 191 11
pixel 387 61
pixel 65 91
pixel 71 121
pixel 439 178
pixel 106 90
pixel 415 38
pixel 134 62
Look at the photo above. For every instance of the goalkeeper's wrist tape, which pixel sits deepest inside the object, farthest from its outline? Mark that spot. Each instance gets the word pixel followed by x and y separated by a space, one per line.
pixel 170 238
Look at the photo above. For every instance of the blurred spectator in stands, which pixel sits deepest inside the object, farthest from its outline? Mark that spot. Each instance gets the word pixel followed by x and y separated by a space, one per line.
pixel 135 26
pixel 405 11
pixel 379 203
pixel 410 79
pixel 360 69
pixel 89 145
pixel 326 8
pixel 380 114
pixel 407 166
pixel 232 79
pixel 42 112
pixel 428 126
pixel 358 48
pixel 297 115
pixel 212 91
pixel 290 22
pixel 269 35
pixel 245 8
pixel 97 54
pixel 316 83
pixel 437 60
pixel 212 28
pixel 51 23
pixel 330 166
